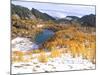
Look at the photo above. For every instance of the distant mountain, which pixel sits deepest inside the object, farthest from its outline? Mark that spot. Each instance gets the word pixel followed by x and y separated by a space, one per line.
pixel 72 18
pixel 41 15
pixel 25 13
pixel 63 20
pixel 88 20
pixel 67 19
pixel 22 12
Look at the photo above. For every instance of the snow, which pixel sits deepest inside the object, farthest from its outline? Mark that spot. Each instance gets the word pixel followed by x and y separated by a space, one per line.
pixel 21 43
pixel 62 63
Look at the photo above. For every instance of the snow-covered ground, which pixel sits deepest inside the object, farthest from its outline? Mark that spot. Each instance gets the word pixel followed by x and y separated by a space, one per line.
pixel 21 43
pixel 62 63
pixel 65 62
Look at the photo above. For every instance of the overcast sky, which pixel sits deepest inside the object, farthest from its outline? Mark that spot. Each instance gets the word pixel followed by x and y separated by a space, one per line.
pixel 59 10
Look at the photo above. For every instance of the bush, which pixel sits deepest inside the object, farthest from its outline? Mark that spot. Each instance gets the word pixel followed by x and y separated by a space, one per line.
pixel 36 51
pixel 43 57
pixel 55 53
pixel 17 56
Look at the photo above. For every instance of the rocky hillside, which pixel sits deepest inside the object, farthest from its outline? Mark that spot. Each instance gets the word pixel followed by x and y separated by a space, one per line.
pixel 25 13
pixel 41 15
pixel 88 20
pixel 22 12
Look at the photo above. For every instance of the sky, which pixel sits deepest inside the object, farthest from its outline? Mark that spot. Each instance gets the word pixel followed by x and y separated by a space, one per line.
pixel 58 10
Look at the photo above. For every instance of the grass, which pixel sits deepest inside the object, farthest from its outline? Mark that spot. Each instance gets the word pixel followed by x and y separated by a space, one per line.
pixel 55 53
pixel 75 51
pixel 17 56
pixel 43 57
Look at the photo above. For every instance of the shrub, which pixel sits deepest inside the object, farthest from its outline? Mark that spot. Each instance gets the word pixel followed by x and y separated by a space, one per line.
pixel 55 53
pixel 43 57
pixel 17 56
pixel 36 51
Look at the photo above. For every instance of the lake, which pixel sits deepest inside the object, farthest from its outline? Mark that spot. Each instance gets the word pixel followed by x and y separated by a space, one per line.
pixel 43 36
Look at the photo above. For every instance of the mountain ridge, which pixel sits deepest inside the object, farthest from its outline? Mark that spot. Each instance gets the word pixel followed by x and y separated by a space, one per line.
pixel 25 13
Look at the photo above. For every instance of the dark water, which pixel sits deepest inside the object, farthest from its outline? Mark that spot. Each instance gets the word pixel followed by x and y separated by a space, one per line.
pixel 44 36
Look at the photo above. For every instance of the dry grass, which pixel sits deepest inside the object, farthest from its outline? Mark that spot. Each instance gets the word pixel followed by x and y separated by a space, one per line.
pixel 43 57
pixel 17 56
pixel 86 53
pixel 90 55
pixel 55 53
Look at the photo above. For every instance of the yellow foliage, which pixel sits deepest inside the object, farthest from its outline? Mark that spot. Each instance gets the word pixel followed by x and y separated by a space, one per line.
pixel 43 57
pixel 74 50
pixel 36 51
pixel 55 53
pixel 17 56
pixel 90 55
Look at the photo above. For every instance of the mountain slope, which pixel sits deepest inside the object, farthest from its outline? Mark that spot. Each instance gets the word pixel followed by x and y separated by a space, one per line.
pixel 22 12
pixel 88 20
pixel 41 15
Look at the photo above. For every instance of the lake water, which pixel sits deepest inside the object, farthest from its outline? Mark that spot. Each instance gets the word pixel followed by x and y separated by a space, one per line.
pixel 44 36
